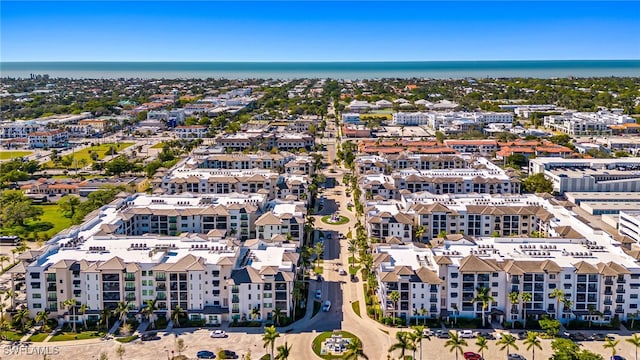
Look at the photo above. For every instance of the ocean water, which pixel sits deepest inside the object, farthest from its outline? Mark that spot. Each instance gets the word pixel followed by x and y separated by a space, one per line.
pixel 334 70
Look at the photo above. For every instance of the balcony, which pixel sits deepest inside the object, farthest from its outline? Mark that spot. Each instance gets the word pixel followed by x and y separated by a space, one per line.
pixel 608 302
pixel 515 281
pixel 621 281
pixel 161 278
pixel 606 312
pixel 51 287
pixel 235 290
pixel 161 287
pixel 129 288
pixel 619 311
pixel 608 282
pixel 52 298
pixel 620 291
pixel 608 292
pixel 619 301
pixel 130 297
pixel 235 299
pixel 161 296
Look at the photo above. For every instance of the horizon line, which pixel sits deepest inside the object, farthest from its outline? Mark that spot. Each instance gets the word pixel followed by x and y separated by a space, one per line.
pixel 302 61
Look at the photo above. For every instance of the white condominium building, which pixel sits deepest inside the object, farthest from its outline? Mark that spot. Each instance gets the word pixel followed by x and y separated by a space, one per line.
pixel 387 222
pixel 586 123
pixel 169 249
pixel 629 224
pixel 410 118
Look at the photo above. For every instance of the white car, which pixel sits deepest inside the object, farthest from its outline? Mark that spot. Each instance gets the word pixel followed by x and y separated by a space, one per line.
pixel 341 271
pixel 219 334
pixel 326 306
pixel 318 294
pixel 466 334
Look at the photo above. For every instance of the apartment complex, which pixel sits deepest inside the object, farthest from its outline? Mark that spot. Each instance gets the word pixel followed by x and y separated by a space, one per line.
pixel 177 250
pixel 587 123
pixel 629 223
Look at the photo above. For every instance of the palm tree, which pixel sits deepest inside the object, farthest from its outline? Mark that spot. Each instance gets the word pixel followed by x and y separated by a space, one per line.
pixel 21 317
pixel 354 350
pixel 122 310
pixel 482 345
pixel 418 335
pixel 591 309
pixel 149 312
pixel 277 316
pixel 3 259
pixel 455 343
pixel 297 295
pixel 404 343
pixel 318 250
pixel 507 341
pixel 269 338
pixel 423 313
pixel 255 313
pixel 284 351
pixel 42 316
pixel 635 341
pixel 71 304
pixel 514 299
pixel 568 304
pixel 419 233
pixel 557 294
pixel 633 317
pixel 352 247
pixel 532 342
pixel 10 295
pixel 526 298
pixel 394 297
pixel 484 297
pixel 611 344
pixel 177 313
pixel 105 314
pixel 83 310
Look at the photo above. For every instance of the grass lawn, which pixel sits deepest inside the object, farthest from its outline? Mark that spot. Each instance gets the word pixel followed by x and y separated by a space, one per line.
pixel 356 307
pixel 38 337
pixel 317 342
pixel 53 214
pixel 12 335
pixel 353 270
pixel 79 336
pixel 11 154
pixel 318 270
pixel 86 154
pixel 158 145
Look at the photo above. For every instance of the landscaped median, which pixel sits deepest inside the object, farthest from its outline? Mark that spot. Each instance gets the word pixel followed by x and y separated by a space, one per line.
pixel 324 343
pixel 335 220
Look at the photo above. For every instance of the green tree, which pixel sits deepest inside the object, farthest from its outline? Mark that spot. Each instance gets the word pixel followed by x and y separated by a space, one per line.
pixel 635 341
pixel 394 296
pixel 176 314
pixel 269 338
pixel 550 326
pixel 83 310
pixel 532 342
pixel 516 160
pixel 71 305
pixel 526 298
pixel 122 310
pixel 355 350
pixel 69 203
pixel 537 183
pixel 514 299
pixel 483 344
pixel 118 166
pixel 484 297
pixel 557 294
pixel 611 344
pixel 507 341
pixel 417 336
pixel 284 351
pixel 403 343
pixel 440 137
pixel 16 209
pixel 455 343
pixel 42 317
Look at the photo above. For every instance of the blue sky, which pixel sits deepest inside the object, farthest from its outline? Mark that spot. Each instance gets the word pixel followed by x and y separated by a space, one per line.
pixel 318 31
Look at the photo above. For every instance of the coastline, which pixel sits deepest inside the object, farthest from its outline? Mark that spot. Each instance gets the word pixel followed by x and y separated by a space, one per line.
pixel 335 70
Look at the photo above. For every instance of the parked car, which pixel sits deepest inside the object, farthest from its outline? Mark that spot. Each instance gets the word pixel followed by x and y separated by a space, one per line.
pixel 427 332
pixel 219 334
pixel 466 334
pixel 487 335
pixel 522 335
pixel 353 278
pixel 442 334
pixel 326 306
pixel 318 294
pixel 151 335
pixel 228 354
pixel 469 355
pixel 598 337
pixel 205 354
pixel 516 357
pixel 578 337
pixel 617 357
pixel 341 271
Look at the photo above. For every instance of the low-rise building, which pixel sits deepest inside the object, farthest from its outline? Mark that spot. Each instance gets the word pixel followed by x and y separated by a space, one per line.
pixel 483 147
pixel 629 224
pixel 48 139
pixel 351 118
pixel 191 131
pixel 580 175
